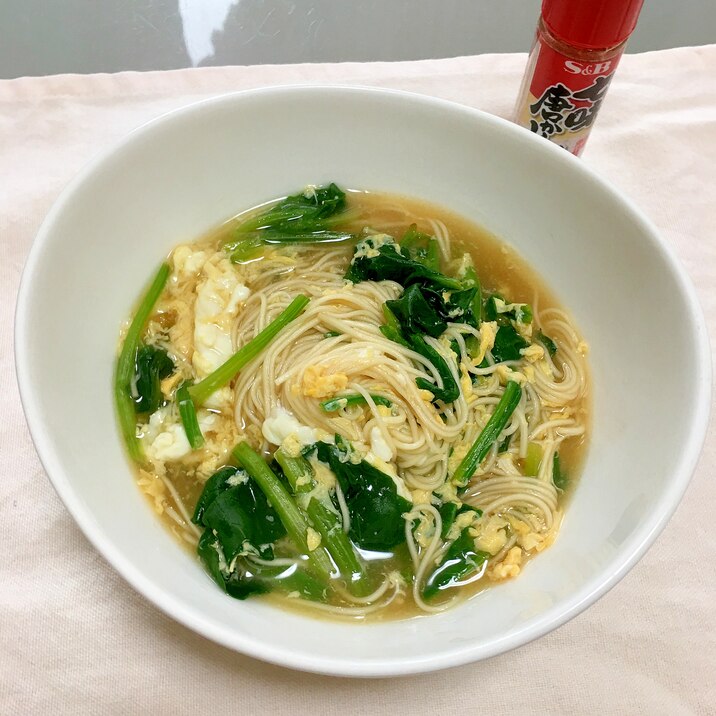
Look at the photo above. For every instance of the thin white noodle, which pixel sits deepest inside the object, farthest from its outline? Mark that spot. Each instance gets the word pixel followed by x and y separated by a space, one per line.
pixel 301 367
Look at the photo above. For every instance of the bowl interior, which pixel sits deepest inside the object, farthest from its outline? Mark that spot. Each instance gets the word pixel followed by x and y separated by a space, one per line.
pixel 183 174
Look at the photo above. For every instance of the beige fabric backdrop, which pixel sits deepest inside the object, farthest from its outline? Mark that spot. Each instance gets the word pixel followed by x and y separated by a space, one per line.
pixel 75 639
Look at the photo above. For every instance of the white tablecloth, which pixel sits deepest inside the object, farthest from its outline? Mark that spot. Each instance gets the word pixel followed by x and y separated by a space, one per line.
pixel 74 638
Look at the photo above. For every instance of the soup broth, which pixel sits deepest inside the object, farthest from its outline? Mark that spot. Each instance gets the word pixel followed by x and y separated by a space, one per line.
pixel 454 537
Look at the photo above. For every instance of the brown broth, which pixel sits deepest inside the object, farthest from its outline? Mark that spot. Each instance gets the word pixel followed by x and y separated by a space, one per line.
pixel 500 269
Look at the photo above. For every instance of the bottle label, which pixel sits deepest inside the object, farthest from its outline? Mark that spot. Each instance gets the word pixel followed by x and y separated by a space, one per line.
pixel 561 96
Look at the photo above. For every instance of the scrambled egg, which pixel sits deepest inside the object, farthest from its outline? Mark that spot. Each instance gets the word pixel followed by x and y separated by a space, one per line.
pixel 509 567
pixel 186 262
pixel 533 352
pixel 280 424
pixel 219 294
pixel 488 331
pixel 490 534
pixel 164 437
pixel 466 519
pixel 505 373
pixel 313 539
pixel 318 384
pixel 465 382
pixel 458 453
pixel 154 487
pixel 378 445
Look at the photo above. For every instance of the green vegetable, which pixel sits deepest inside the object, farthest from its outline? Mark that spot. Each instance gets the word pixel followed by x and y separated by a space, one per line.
pixel 432 255
pixel 413 238
pixel 328 524
pixel 301 218
pixel 187 412
pixel 505 444
pixel 390 265
pixel 239 521
pixel 495 311
pixel 547 342
pixel 212 488
pixel 252 245
pixel 228 370
pixel 297 470
pixel 301 212
pixel 127 361
pixel 415 314
pixel 533 459
pixel 237 511
pixel 450 390
pixel 208 551
pixel 249 578
pixel 289 513
pixel 392 330
pixel 495 425
pixel 331 334
pixel 344 401
pixel 471 280
pixel 152 365
pixel 448 513
pixel 461 560
pixel 559 478
pixel 462 305
pixel 289 580
pixel 375 507
pixel 508 344
pixel 523 313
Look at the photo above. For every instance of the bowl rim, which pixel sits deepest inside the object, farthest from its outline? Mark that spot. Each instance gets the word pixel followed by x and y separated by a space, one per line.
pixel 562 611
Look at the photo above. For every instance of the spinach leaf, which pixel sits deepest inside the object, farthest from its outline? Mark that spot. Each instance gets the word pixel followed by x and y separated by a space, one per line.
pixel 251 245
pixel 495 425
pixel 416 314
pixel 344 401
pixel 212 488
pixel 471 280
pixel 375 507
pixel 496 310
pixel 306 217
pixel 449 512
pixel 247 578
pixel 231 521
pixel 239 514
pixel 413 238
pixel 461 307
pixel 547 342
pixel 451 389
pixel 235 584
pixel 490 311
pixel 307 211
pixel 208 551
pixel 508 343
pixel 559 477
pixel 151 366
pixel 460 561
pixel 391 265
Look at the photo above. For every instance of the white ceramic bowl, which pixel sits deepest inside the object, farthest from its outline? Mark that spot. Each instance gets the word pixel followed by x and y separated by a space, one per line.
pixel 183 173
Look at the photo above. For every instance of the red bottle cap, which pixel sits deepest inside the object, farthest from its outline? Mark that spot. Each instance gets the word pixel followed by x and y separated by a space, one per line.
pixel 592 24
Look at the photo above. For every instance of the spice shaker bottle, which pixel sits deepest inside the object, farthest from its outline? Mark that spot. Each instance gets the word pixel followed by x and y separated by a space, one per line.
pixel 577 48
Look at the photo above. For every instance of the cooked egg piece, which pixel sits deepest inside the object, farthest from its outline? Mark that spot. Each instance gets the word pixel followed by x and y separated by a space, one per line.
pixel 318 383
pixel 218 297
pixel 280 424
